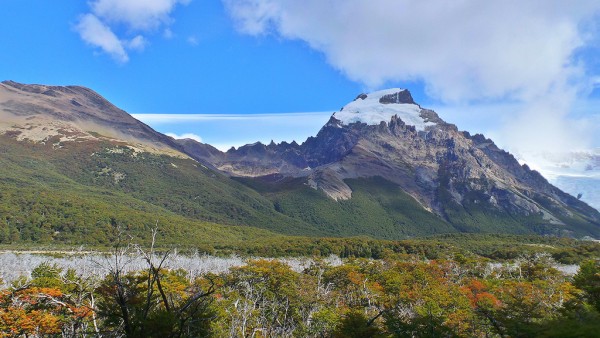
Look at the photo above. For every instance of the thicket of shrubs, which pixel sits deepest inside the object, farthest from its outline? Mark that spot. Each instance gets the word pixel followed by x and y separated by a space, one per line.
pixel 399 295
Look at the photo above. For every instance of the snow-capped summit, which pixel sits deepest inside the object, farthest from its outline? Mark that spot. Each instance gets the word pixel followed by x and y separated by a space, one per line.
pixel 381 106
pixel 461 179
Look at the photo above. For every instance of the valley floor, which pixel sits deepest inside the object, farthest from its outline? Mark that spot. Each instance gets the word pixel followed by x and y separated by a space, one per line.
pixel 424 290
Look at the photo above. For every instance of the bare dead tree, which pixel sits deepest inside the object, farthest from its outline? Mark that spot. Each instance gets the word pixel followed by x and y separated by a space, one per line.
pixel 136 311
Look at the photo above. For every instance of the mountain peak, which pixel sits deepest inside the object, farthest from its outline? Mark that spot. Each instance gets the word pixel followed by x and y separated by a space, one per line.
pixel 398 96
pixel 388 96
pixel 76 114
pixel 381 106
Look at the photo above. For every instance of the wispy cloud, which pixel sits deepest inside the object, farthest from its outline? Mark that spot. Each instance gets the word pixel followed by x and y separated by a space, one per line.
pixel 137 43
pixel 184 136
pixel 192 40
pixel 139 15
pixel 99 27
pixel 234 130
pixel 182 118
pixel 96 33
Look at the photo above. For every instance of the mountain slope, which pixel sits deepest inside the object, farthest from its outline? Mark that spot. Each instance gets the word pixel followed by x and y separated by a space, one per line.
pixel 38 112
pixel 575 172
pixel 464 180
pixel 92 150
pixel 40 204
pixel 377 208
pixel 382 167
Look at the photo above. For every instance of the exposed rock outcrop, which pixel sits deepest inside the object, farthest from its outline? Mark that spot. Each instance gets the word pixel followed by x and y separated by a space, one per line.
pixel 425 156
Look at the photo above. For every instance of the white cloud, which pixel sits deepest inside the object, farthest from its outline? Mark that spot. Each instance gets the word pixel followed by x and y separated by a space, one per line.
pixel 192 40
pixel 140 15
pixel 94 32
pixel 186 135
pixel 465 52
pixel 99 28
pixel 189 118
pixel 462 50
pixel 137 43
pixel 168 34
pixel 226 130
pixel 543 125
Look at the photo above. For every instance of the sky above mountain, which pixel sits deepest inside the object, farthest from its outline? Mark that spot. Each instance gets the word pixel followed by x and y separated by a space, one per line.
pixel 236 71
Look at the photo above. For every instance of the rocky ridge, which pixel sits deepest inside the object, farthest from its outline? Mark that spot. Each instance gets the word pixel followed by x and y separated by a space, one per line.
pixel 459 181
pixel 386 134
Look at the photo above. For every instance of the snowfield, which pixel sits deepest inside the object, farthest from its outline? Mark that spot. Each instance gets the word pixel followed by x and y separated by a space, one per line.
pixel 372 112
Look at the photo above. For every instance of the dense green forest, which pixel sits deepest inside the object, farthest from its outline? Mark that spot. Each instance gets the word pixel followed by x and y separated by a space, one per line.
pixel 380 209
pixel 101 181
pixel 75 193
pixel 87 195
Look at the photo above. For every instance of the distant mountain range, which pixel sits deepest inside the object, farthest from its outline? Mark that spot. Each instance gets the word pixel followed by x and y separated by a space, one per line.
pixel 383 166
pixel 576 172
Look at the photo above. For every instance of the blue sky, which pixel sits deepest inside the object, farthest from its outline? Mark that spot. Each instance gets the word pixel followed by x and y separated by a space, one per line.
pixel 205 67
pixel 524 73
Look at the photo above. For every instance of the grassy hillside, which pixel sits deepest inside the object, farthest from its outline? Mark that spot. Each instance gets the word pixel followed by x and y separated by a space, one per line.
pixel 380 209
pixel 47 200
pixel 80 193
pixel 104 178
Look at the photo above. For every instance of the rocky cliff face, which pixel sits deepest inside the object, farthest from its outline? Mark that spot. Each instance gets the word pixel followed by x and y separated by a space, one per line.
pixel 386 134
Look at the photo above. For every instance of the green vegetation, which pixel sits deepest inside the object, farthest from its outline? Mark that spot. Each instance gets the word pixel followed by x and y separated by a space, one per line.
pixel 85 195
pixel 182 186
pixel 506 247
pixel 63 211
pixel 79 196
pixel 378 208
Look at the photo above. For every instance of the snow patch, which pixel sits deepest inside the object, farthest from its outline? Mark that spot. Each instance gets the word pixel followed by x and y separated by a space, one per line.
pixel 370 111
